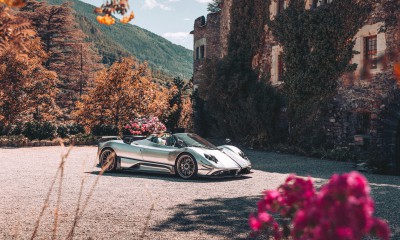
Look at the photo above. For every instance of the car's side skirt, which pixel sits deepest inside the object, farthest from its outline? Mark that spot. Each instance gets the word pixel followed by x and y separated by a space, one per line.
pixel 140 165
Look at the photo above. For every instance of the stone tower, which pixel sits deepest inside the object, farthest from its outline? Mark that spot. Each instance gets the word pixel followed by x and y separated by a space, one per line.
pixel 210 37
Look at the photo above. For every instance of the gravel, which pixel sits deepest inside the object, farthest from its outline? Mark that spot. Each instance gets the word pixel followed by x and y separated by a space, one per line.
pixel 130 205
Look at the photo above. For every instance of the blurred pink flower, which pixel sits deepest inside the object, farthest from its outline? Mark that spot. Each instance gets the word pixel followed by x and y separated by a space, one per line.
pixel 342 209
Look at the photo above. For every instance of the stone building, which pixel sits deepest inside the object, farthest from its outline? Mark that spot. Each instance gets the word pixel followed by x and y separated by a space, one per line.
pixel 366 110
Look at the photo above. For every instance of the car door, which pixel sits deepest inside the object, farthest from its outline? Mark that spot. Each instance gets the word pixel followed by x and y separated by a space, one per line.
pixel 157 153
pixel 131 154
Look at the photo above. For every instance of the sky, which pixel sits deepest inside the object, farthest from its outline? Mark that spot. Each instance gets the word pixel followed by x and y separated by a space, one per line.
pixel 171 19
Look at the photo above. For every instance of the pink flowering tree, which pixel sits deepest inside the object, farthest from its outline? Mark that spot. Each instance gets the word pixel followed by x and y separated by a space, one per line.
pixel 342 210
pixel 145 126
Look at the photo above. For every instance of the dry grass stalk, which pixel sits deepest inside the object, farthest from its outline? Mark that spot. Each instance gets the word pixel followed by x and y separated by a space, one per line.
pixel 71 233
pixel 78 215
pixel 46 202
pixel 64 156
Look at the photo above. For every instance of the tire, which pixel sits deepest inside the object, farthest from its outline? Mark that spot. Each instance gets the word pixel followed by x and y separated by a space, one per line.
pixel 186 166
pixel 106 156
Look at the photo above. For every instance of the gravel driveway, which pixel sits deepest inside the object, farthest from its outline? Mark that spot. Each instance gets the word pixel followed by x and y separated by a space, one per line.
pixel 151 206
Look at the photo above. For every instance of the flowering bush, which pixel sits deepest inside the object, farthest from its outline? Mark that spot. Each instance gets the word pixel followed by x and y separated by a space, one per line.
pixel 342 209
pixel 145 126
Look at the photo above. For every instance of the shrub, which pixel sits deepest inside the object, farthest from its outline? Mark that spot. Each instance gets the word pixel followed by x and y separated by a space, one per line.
pixel 62 131
pixel 76 128
pixel 105 130
pixel 16 129
pixel 2 129
pixel 84 139
pixel 39 130
pixel 342 209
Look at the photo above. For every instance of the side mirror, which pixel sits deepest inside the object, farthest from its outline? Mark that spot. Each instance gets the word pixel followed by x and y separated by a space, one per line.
pixel 227 141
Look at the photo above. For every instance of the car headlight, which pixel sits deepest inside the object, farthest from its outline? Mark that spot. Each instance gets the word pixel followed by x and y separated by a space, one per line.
pixel 211 157
pixel 243 155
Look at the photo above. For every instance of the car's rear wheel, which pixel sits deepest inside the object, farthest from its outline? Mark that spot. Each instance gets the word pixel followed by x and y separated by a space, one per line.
pixel 186 166
pixel 108 160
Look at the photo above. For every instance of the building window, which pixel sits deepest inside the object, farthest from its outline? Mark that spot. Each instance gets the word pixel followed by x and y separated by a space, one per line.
pixel 280 68
pixel 202 52
pixel 371 52
pixel 280 6
pixel 363 123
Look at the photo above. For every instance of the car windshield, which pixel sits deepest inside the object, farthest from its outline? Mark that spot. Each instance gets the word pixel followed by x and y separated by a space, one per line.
pixel 194 140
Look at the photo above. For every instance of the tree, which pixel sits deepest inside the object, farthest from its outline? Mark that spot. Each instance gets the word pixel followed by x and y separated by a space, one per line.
pixel 120 93
pixel 69 55
pixel 214 6
pixel 180 104
pixel 27 89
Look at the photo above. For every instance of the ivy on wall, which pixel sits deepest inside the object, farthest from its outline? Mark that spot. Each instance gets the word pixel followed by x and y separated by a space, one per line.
pixel 317 49
pixel 238 105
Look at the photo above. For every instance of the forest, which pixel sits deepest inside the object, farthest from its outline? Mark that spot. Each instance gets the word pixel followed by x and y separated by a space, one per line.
pixel 54 83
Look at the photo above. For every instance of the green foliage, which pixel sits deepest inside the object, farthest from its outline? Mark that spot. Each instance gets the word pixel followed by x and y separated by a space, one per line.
pixel 11 129
pixel 317 48
pixel 104 130
pixel 64 131
pixel 214 6
pixel 39 130
pixel 84 139
pixel 237 103
pixel 122 40
pixel 75 128
pixel 391 8
pixel 181 89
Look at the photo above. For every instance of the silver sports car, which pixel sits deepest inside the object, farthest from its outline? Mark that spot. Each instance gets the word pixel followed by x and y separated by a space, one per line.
pixel 185 154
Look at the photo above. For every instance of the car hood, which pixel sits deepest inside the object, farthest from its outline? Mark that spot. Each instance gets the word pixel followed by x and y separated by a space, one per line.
pixel 226 158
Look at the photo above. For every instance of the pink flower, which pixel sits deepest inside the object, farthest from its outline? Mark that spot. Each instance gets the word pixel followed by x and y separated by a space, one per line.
pixel 264 217
pixel 276 230
pixel 344 233
pixel 342 209
pixel 254 223
pixel 380 229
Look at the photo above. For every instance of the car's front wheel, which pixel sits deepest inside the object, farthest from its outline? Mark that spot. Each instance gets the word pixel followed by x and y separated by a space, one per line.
pixel 186 166
pixel 108 160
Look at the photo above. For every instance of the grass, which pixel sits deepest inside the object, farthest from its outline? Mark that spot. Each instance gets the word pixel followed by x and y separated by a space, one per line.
pixel 78 210
pixel 82 201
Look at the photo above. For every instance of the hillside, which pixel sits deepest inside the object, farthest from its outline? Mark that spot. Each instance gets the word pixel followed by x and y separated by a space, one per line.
pixel 121 40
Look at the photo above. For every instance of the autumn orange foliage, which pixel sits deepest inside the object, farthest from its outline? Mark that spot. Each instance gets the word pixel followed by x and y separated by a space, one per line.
pixel 106 19
pixel 121 92
pixel 14 3
pixel 112 7
pixel 127 19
